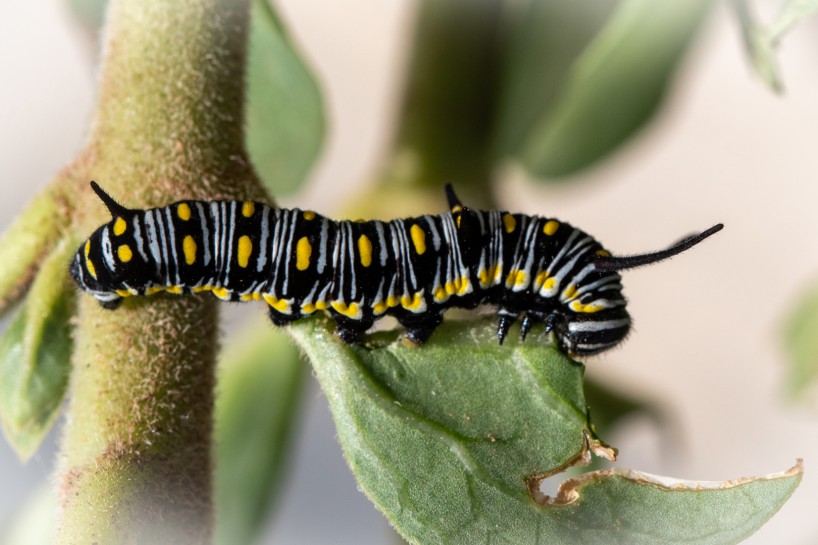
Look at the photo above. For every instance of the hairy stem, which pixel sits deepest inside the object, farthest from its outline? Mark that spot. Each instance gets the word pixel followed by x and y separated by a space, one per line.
pixel 135 465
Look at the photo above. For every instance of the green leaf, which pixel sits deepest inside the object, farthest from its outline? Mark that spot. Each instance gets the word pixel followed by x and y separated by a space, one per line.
pixel 545 39
pixel 89 13
pixel 35 355
pixel 451 441
pixel 285 123
pixel 801 345
pixel 761 43
pixel 259 382
pixel 614 87
pixel 25 244
pixel 758 46
pixel 791 13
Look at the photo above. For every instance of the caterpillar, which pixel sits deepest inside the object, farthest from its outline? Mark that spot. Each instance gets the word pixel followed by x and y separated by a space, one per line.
pixel 538 269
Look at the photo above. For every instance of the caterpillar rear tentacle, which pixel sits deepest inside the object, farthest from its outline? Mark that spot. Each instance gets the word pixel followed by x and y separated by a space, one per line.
pixel 414 269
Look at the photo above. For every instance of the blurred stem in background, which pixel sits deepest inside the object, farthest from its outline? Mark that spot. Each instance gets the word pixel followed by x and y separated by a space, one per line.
pixel 445 126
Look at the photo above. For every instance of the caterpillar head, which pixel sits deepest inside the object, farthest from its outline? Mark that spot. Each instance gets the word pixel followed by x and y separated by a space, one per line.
pixel 588 335
pixel 107 265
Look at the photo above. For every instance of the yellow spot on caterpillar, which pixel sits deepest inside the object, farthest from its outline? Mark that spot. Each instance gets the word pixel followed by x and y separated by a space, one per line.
pixel 570 291
pixel 603 253
pixel 307 308
pixel 379 307
pixel 418 239
pixel 456 208
pixel 221 293
pixel 365 250
pixel 492 274
pixel 123 293
pixel 449 287
pixel 247 209
pixel 458 220
pixel 244 251
pixel 576 306
pixel 411 303
pixel 509 222
pixel 199 289
pixel 281 305
pixel 183 211
pixel 124 253
pixel 540 279
pixel 516 278
pixel 550 227
pixel 88 264
pixel 308 215
pixel 154 290
pixel 350 310
pixel 189 248
pixel 392 301
pixel 321 305
pixel 440 294
pixel 174 289
pixel 483 277
pixel 550 283
pixel 303 251
pixel 120 226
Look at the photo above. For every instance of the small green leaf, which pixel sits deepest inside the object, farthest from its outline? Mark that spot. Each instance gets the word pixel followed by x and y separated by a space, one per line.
pixel 259 382
pixel 801 345
pixel 89 13
pixel 761 43
pixel 25 244
pixel 285 123
pixel 614 87
pixel 758 46
pixel 791 13
pixel 35 354
pixel 452 440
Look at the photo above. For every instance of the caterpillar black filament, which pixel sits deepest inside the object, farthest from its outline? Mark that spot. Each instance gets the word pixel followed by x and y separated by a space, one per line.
pixel 413 269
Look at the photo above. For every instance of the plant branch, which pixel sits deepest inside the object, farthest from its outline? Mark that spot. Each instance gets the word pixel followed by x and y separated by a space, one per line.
pixel 135 465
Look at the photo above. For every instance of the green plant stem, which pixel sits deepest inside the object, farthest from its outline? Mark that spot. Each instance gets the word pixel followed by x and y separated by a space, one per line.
pixel 445 127
pixel 135 465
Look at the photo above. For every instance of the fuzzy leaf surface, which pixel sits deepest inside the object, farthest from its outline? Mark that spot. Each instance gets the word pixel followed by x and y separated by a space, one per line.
pixel 25 244
pixel 451 440
pixel 35 355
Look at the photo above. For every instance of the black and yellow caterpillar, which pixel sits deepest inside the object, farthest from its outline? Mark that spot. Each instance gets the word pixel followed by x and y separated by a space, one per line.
pixel 300 263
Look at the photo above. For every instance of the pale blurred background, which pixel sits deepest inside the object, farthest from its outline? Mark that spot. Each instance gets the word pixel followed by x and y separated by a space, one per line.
pixel 707 342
